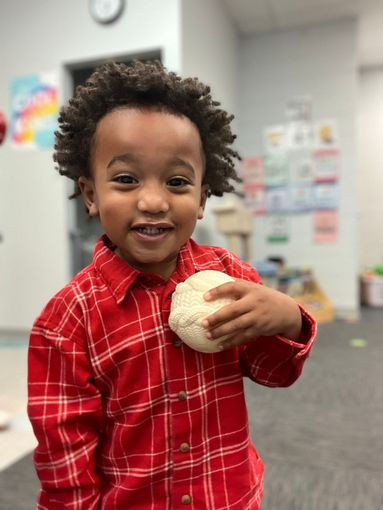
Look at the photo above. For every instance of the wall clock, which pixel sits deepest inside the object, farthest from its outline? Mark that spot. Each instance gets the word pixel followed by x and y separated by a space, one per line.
pixel 106 11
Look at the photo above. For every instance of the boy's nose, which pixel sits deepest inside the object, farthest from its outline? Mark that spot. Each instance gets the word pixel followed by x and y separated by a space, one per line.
pixel 153 200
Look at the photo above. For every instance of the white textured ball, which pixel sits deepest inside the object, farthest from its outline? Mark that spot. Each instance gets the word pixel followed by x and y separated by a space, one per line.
pixel 189 308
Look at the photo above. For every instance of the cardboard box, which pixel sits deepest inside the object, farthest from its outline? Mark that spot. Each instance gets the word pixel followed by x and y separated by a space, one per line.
pixel 317 303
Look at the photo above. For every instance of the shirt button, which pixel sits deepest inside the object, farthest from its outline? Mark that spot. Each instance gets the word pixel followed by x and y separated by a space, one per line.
pixel 182 395
pixel 185 448
pixel 177 342
pixel 186 499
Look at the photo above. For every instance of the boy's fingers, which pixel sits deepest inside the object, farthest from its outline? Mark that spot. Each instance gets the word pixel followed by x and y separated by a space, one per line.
pixel 229 289
pixel 229 327
pixel 226 313
pixel 240 338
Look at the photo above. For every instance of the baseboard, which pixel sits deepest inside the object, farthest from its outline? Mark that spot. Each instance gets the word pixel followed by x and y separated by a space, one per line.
pixel 348 314
pixel 14 335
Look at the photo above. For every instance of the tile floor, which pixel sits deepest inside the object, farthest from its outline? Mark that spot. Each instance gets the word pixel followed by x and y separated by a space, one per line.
pixel 17 438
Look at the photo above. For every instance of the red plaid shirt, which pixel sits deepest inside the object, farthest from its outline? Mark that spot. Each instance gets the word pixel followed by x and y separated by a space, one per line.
pixel 126 415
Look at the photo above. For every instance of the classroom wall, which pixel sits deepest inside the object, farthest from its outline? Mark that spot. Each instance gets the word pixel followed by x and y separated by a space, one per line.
pixel 319 61
pixel 253 77
pixel 34 211
pixel 370 166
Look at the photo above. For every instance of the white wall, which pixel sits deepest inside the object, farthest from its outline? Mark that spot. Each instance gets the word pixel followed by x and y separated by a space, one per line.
pixel 370 166
pixel 319 61
pixel 210 52
pixel 45 36
pixel 209 49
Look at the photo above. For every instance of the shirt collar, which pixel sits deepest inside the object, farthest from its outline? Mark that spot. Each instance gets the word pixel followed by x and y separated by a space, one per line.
pixel 119 276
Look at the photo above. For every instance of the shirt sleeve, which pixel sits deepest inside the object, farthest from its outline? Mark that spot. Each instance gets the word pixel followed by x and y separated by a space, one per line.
pixel 65 410
pixel 271 360
pixel 276 360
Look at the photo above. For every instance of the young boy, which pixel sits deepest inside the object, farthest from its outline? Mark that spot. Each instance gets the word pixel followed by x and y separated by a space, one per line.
pixel 126 415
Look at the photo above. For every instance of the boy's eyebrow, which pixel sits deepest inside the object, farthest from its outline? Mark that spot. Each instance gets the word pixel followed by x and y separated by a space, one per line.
pixel 131 158
pixel 176 161
pixel 126 158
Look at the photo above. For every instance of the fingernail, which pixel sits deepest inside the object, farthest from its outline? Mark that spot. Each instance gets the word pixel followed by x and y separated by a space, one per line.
pixel 207 296
pixel 205 323
pixel 209 335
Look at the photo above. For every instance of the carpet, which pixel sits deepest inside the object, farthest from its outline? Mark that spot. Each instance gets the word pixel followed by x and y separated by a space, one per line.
pixel 321 439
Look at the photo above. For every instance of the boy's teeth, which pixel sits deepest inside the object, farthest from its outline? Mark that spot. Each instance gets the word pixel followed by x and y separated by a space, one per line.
pixel 150 230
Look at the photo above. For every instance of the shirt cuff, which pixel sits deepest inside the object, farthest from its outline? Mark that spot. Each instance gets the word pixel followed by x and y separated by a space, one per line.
pixel 307 334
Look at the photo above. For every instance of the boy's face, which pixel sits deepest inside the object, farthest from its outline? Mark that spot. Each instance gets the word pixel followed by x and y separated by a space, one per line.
pixel 146 185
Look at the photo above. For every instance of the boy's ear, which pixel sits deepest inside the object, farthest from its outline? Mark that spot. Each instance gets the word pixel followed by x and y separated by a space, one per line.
pixel 88 195
pixel 204 195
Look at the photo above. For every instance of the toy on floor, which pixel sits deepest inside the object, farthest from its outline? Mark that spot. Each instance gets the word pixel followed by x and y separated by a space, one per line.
pixel 189 308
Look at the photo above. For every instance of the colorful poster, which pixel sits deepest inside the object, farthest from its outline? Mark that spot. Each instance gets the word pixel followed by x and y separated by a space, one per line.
pixel 301 198
pixel 326 165
pixel 277 229
pixel 301 166
pixel 34 111
pixel 252 170
pixel 255 198
pixel 299 134
pixel 276 169
pixel 277 200
pixel 274 138
pixel 326 226
pixel 326 195
pixel 252 173
pixel 326 133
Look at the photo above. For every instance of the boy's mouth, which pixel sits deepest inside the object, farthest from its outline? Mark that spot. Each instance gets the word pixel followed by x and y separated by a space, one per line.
pixel 152 230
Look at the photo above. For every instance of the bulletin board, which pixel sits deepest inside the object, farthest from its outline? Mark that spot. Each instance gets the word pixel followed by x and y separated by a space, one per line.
pixel 297 174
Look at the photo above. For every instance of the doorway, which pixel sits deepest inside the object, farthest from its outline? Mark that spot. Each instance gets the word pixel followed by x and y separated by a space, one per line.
pixel 84 231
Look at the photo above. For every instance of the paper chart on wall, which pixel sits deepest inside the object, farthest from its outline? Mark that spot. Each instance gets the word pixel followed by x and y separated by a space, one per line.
pixel 299 135
pixel 326 164
pixel 325 226
pixel 300 166
pixel 301 198
pixel 277 229
pixel 326 195
pixel 326 133
pixel 252 170
pixel 276 167
pixel 274 138
pixel 277 200
pixel 252 174
pixel 255 198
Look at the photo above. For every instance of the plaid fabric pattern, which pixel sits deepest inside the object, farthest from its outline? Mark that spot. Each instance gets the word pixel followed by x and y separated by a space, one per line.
pixel 125 414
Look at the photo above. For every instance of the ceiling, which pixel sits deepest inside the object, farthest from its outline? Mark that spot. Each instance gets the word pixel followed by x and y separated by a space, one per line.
pixel 260 16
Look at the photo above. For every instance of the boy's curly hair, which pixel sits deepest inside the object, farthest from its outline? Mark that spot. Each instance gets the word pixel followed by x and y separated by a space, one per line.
pixel 144 85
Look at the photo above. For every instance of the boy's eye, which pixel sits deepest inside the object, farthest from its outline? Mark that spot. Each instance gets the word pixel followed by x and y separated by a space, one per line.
pixel 125 179
pixel 178 182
